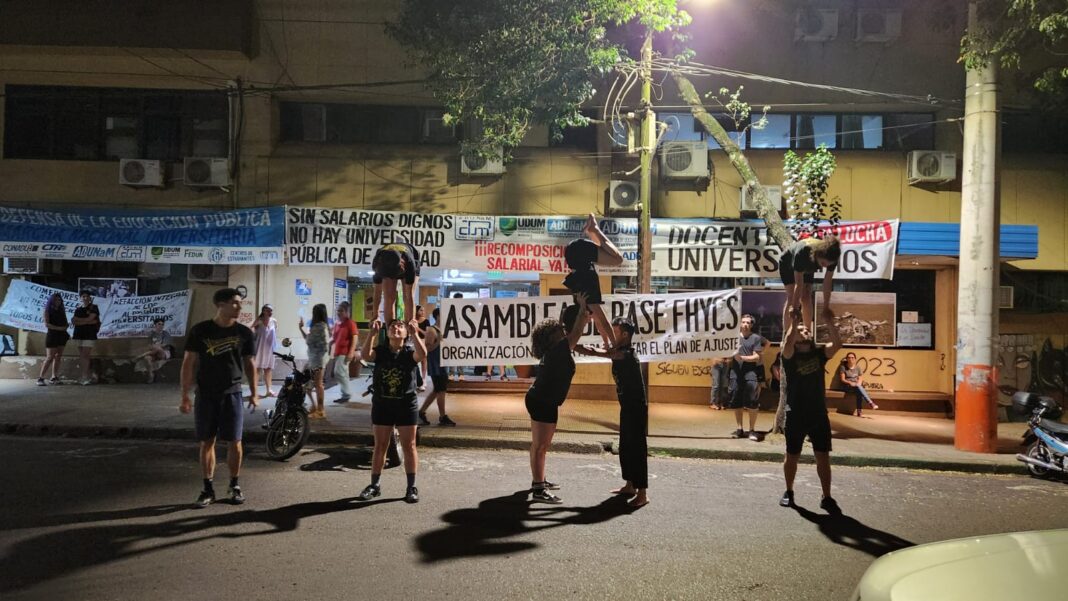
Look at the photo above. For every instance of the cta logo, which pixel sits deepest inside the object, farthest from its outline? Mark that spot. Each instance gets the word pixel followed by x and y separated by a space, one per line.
pixel 474 228
pixel 54 250
pixel 216 255
pixel 93 252
pixel 133 253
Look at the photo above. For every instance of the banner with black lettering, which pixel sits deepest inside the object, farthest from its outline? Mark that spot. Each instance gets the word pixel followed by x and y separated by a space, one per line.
pixel 695 325
pixel 681 247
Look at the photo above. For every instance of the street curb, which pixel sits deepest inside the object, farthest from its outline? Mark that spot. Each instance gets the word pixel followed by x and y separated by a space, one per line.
pixel 471 442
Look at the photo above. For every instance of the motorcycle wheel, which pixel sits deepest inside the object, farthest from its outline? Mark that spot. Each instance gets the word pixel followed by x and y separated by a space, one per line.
pixel 1039 452
pixel 287 434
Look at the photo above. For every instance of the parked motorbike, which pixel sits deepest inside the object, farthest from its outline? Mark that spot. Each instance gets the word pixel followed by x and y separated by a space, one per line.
pixel 287 424
pixel 1046 440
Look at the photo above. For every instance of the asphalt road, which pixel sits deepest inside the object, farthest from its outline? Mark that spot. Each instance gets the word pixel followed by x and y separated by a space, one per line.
pixel 93 519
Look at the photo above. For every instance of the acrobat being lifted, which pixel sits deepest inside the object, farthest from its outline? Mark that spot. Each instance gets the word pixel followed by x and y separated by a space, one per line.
pixel 395 264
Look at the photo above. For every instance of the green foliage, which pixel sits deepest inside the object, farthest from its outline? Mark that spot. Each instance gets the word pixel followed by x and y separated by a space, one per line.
pixel 1030 36
pixel 738 110
pixel 510 64
pixel 805 183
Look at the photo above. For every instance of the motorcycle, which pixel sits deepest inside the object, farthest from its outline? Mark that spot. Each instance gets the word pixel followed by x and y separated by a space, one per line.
pixel 287 424
pixel 1046 440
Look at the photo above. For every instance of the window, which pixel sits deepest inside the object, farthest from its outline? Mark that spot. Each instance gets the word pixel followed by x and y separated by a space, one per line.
pixel 95 124
pixel 814 131
pixel 915 290
pixel 776 134
pixel 362 124
pixel 862 132
pixel 1034 133
pixel 909 131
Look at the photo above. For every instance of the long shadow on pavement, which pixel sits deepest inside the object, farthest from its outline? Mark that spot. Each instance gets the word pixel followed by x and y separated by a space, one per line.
pixel 339 459
pixel 843 530
pixel 485 530
pixel 54 554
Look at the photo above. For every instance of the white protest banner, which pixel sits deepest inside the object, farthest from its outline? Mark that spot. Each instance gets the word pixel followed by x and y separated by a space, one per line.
pixel 681 247
pixel 126 317
pixel 694 325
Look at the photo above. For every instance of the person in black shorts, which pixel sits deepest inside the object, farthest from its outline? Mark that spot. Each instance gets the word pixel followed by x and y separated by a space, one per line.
pixel 394 401
pixel 56 337
pixel 633 412
pixel 393 263
pixel 798 266
pixel 582 254
pixel 438 377
pixel 552 342
pixel 217 352
pixel 803 362
pixel 746 378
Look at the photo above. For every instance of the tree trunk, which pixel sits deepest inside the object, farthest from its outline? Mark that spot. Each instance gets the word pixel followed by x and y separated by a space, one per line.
pixel 765 210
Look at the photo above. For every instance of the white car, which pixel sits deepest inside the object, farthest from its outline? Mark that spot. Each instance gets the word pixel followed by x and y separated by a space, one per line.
pixel 1031 566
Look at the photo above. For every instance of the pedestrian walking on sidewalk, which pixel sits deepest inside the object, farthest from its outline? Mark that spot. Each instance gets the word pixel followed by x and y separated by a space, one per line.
pixel 806 410
pixel 265 328
pixel 56 337
pixel 394 400
pixel 438 378
pixel 747 377
pixel 551 342
pixel 86 320
pixel 318 340
pixel 633 412
pixel 849 380
pixel 217 352
pixel 345 336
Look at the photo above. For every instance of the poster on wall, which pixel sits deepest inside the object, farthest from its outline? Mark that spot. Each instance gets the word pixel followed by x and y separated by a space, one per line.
pixel 681 247
pixel 695 325
pixel 120 317
pixel 766 307
pixel 341 293
pixel 108 287
pixel 862 318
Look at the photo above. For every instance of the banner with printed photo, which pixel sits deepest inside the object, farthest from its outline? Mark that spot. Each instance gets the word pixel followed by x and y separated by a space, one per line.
pixel 681 247
pixel 693 325
pixel 120 317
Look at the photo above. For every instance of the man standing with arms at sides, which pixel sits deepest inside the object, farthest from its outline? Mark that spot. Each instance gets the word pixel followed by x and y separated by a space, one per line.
pixel 217 351
pixel 345 337
pixel 806 409
pixel 746 376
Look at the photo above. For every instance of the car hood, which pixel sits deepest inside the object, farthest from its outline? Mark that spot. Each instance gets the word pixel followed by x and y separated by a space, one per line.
pixel 1021 565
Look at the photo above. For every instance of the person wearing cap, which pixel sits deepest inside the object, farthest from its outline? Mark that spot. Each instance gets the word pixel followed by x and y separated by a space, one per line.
pixel 392 264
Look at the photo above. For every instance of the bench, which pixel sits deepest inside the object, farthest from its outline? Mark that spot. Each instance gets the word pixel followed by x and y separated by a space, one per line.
pixel 928 402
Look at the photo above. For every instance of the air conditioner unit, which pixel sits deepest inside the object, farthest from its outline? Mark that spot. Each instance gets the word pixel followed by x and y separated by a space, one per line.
pixel 22 265
pixel 1005 297
pixel 623 196
pixel 207 172
pixel 816 25
pixel 140 173
pixel 875 25
pixel 471 163
pixel 925 166
pixel 154 271
pixel 748 203
pixel 684 160
pixel 209 273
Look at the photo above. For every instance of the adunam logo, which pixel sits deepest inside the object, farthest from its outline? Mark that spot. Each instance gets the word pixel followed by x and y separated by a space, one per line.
pixel 132 253
pixel 564 227
pixel 93 252
pixel 216 255
pixel 474 228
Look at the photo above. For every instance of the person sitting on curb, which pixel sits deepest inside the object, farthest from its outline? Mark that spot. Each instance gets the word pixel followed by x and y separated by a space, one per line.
pixel 159 348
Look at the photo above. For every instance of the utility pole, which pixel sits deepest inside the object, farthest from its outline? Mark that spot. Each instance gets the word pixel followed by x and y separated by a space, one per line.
pixel 645 188
pixel 979 270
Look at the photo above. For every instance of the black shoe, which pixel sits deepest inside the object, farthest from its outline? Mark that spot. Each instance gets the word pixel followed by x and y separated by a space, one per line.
pixel 829 505
pixel 412 496
pixel 787 499
pixel 423 421
pixel 445 421
pixel 540 495
pixel 370 492
pixel 55 381
pixel 236 496
pixel 739 433
pixel 207 497
pixel 41 382
pixel 342 399
pixel 546 485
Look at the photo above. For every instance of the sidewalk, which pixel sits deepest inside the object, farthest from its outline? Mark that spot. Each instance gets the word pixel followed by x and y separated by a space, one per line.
pixel 499 421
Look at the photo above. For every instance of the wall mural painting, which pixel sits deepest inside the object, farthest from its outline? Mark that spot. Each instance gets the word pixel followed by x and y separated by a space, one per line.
pixel 1029 362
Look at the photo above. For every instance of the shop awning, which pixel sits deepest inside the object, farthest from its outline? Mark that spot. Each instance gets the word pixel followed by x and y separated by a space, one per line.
pixel 252 236
pixel 943 239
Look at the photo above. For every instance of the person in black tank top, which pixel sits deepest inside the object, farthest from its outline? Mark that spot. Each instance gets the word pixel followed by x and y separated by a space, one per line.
pixel 56 337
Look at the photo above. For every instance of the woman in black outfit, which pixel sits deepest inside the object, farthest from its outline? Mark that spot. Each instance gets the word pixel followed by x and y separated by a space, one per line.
pixel 55 320
pixel 552 342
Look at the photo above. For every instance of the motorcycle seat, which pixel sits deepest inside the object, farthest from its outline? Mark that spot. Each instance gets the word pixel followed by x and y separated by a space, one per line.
pixel 1052 426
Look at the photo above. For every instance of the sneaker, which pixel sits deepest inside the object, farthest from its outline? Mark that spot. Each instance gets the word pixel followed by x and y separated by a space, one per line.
pixel 54 382
pixel 445 421
pixel 550 485
pixel 41 382
pixel 412 496
pixel 421 389
pixel 787 499
pixel 342 399
pixel 207 497
pixel 370 492
pixel 423 421
pixel 829 505
pixel 739 433
pixel 753 436
pixel 85 382
pixel 874 406
pixel 236 496
pixel 859 413
pixel 541 495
